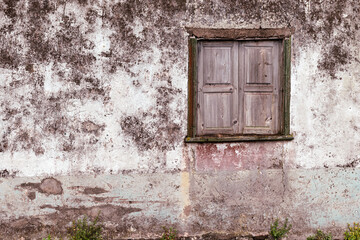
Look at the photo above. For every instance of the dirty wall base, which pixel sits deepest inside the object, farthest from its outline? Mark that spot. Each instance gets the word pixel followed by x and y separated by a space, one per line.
pixel 223 204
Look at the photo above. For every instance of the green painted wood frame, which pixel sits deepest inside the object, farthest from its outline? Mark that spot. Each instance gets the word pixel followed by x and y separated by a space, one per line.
pixel 241 34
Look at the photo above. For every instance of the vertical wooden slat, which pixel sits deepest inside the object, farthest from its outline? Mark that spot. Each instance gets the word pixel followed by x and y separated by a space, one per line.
pixel 261 87
pixel 192 86
pixel 235 76
pixel 287 87
pixel 242 83
pixel 217 88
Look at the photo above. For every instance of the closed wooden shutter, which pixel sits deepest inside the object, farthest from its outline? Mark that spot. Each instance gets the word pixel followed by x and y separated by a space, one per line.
pixel 260 78
pixel 238 88
pixel 217 88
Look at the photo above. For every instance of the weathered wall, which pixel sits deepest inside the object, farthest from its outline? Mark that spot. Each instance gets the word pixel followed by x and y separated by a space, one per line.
pixel 93 116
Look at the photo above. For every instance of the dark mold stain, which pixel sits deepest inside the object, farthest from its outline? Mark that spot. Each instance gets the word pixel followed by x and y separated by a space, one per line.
pixel 91 127
pixel 161 134
pixel 83 2
pixel 10 10
pixel 125 54
pixel 39 151
pixel 324 22
pixel 66 48
pixel 91 16
pixel 22 140
pixel 38 16
pixel 95 190
pixel 278 165
pixel 40 8
pixel 336 56
pixel 4 173
pixel 140 133
pixel 4 144
pixel 7 173
pixel 9 59
pixel 352 164
pixel 296 14
pixel 31 195
pixel 30 68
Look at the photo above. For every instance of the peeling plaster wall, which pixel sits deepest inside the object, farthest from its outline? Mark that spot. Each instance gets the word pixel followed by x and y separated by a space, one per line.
pixel 93 98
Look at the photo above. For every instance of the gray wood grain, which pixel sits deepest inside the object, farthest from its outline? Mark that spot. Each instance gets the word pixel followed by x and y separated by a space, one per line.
pixel 238 87
pixel 261 87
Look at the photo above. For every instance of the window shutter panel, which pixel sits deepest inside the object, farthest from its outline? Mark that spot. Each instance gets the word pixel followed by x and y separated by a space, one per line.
pixel 260 80
pixel 217 108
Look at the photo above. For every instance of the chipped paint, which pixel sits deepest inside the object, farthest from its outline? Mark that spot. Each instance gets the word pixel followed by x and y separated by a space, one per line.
pixel 243 156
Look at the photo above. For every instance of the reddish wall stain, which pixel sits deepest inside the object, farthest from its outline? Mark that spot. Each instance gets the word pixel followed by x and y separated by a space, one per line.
pixel 244 156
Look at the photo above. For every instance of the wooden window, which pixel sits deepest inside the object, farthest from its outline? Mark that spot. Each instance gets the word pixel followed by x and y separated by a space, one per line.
pixel 239 89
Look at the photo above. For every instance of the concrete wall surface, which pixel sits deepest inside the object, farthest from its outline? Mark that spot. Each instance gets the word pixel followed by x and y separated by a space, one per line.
pixel 93 116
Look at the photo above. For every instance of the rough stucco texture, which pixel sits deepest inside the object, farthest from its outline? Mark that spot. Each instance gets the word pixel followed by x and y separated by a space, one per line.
pixel 93 109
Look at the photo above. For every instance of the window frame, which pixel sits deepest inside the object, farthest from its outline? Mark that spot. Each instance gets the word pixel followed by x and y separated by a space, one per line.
pixel 196 34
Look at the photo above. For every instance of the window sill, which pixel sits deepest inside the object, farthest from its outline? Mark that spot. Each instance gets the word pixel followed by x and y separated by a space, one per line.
pixel 245 138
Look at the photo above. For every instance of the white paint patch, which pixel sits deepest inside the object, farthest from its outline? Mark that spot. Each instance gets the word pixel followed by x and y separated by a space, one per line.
pixel 174 158
pixel 51 82
pixel 101 40
pixel 138 28
pixel 89 110
pixel 128 99
pixel 4 20
pixel 125 99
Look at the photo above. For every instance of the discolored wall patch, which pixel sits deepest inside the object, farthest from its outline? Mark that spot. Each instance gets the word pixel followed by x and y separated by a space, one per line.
pixel 48 186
